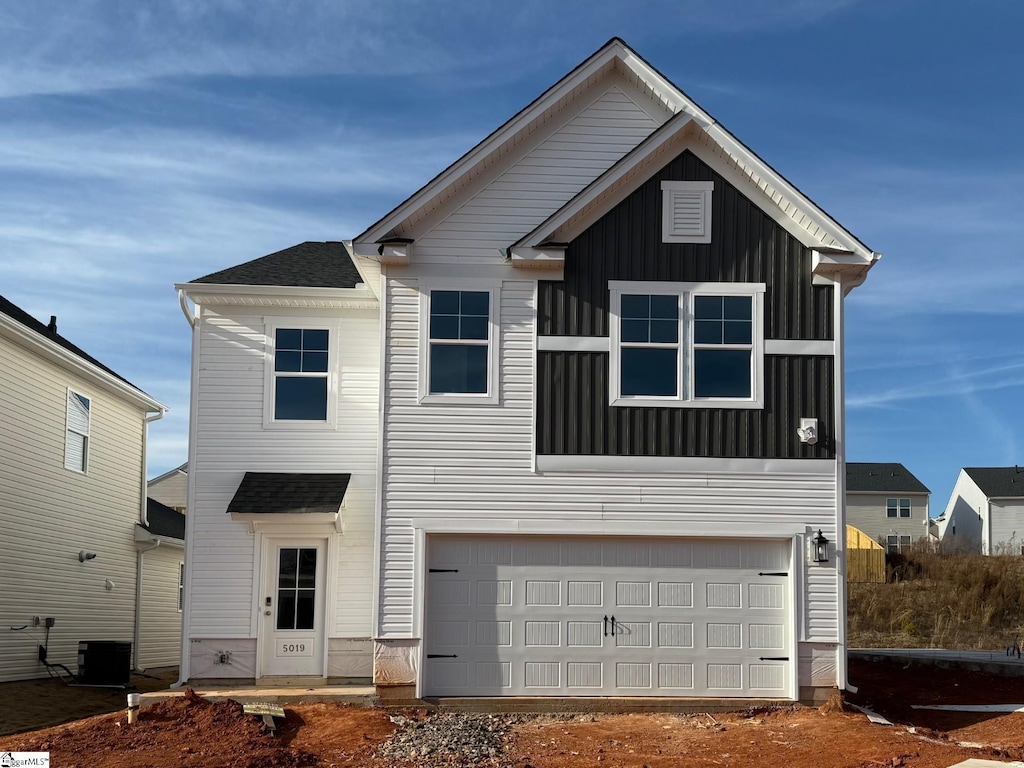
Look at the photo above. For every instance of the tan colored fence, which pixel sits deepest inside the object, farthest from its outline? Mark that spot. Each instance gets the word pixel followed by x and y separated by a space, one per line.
pixel 865 558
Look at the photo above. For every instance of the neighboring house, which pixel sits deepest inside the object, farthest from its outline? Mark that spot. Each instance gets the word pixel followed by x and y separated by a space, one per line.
pixel 171 488
pixel 985 512
pixel 886 502
pixel 161 539
pixel 608 428
pixel 72 489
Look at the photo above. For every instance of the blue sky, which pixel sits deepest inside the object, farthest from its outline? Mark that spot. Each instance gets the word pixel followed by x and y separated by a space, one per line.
pixel 145 143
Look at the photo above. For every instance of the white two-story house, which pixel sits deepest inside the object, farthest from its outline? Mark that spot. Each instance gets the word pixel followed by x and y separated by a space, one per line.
pixel 606 454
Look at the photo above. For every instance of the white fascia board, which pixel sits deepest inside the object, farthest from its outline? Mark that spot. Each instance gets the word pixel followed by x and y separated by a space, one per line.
pixel 367 281
pixel 543 257
pixel 279 295
pixel 740 152
pixel 492 143
pixel 65 358
pixel 142 536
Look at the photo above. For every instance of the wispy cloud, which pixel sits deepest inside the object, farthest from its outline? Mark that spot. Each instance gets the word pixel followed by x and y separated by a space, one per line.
pixel 956 382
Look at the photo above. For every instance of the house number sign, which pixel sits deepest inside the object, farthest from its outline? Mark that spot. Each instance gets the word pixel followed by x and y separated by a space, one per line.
pixel 300 648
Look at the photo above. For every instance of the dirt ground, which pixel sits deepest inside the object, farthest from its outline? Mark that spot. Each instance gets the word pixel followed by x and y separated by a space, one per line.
pixel 31 704
pixel 193 733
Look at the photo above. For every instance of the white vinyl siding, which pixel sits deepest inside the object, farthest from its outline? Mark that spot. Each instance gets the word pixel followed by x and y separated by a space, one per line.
pixel 230 440
pixel 159 616
pixel 48 514
pixel 544 178
pixel 480 478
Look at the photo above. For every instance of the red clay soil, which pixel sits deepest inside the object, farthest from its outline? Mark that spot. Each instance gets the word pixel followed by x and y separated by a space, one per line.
pixel 193 733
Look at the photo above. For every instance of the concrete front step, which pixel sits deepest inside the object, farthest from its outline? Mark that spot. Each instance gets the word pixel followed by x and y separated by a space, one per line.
pixel 363 695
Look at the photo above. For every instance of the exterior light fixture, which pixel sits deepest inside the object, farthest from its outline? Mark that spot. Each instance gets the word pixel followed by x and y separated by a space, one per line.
pixel 820 547
pixel 83 556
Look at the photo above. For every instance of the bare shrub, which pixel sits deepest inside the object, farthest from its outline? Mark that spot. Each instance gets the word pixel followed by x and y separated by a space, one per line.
pixel 940 600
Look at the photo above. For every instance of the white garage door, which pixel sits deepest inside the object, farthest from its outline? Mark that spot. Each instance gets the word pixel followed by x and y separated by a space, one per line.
pixel 590 616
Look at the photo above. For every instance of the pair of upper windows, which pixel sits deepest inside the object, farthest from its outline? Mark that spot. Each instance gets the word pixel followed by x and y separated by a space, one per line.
pixel 897 507
pixel 686 344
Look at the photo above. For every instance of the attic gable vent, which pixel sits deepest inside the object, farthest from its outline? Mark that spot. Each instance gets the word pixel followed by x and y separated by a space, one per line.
pixel 686 211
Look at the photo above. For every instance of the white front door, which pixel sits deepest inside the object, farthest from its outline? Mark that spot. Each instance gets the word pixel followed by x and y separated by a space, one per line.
pixel 293 616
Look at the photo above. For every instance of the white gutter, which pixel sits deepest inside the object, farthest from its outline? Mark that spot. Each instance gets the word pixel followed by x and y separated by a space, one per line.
pixel 183 303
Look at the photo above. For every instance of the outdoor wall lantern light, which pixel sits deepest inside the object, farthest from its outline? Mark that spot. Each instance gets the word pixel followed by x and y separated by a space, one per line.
pixel 83 556
pixel 820 547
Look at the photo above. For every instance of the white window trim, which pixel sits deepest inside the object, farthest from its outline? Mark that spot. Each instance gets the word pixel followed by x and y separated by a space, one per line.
pixel 68 430
pixel 668 193
pixel 899 508
pixel 492 395
pixel 271 325
pixel 684 373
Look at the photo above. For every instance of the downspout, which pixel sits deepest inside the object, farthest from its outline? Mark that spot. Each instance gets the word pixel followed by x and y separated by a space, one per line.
pixel 193 319
pixel 138 601
pixel 839 332
pixel 144 520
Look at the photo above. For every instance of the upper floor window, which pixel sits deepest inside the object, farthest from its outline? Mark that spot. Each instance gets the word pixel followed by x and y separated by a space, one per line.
pixel 300 380
pixel 897 507
pixel 459 360
pixel 76 433
pixel 687 344
pixel 300 374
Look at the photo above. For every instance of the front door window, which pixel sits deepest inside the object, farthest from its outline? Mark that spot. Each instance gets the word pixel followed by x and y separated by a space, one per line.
pixel 296 588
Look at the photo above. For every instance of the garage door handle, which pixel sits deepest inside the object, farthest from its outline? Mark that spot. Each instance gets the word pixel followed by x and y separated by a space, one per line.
pixel 442 570
pixel 604 632
pixel 773 573
pixel 442 656
pixel 773 658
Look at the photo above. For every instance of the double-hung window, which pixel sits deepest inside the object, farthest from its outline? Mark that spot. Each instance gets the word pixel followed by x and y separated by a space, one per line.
pixel 687 344
pixel 300 381
pixel 897 507
pixel 459 352
pixel 76 434
pixel 895 544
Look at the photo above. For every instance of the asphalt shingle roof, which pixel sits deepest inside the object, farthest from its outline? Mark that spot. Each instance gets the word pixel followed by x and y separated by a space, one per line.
pixel 16 313
pixel 289 493
pixel 998 482
pixel 309 264
pixel 882 477
pixel 164 521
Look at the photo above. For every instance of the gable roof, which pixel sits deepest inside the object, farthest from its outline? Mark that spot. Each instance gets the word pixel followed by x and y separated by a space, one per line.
pixel 309 265
pixel 164 521
pixel 183 469
pixel 817 228
pixel 26 320
pixel 998 482
pixel 877 477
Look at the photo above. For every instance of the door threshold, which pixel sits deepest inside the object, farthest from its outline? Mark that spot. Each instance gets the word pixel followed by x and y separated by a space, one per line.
pixel 291 681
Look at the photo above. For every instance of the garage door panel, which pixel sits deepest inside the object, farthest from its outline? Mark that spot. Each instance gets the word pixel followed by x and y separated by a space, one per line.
pixel 685 624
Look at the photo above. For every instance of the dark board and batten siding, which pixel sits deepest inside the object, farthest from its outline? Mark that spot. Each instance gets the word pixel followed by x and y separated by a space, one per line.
pixel 574 418
pixel 746 247
pixel 573 415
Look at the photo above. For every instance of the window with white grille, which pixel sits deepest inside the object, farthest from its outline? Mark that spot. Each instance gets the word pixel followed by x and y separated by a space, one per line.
pixel 76 435
pixel 686 211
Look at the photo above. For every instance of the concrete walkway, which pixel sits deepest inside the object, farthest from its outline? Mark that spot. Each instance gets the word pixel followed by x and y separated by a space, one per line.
pixel 993 662
pixel 363 695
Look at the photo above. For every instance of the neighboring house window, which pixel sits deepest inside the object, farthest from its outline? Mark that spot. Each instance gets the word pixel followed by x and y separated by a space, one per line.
pixel 895 544
pixel 459 357
pixel 686 211
pixel 687 344
pixel 301 374
pixel 76 436
pixel 897 507
pixel 181 586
